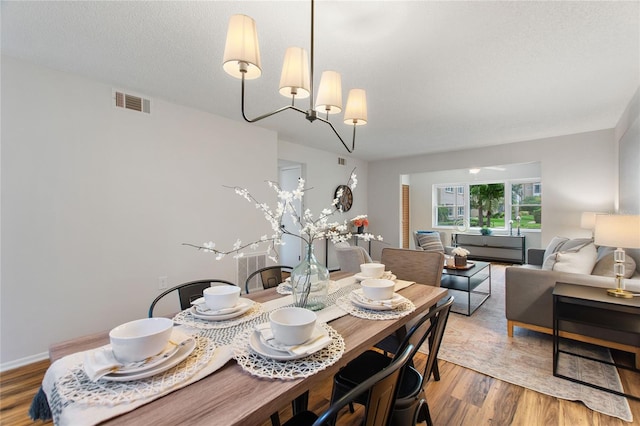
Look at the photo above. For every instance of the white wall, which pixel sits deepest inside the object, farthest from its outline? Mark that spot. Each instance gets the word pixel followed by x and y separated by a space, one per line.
pixel 323 174
pixel 628 131
pixel 96 202
pixel 577 172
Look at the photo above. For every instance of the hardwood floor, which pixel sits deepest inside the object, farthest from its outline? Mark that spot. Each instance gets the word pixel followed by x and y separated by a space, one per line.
pixel 461 397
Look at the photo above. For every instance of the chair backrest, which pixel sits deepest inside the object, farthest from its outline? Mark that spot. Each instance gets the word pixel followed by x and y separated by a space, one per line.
pixel 422 267
pixel 382 388
pixel 270 276
pixel 351 257
pixel 430 326
pixel 187 292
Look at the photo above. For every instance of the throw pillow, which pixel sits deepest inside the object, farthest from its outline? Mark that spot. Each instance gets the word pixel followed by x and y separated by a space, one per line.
pixel 430 242
pixel 552 248
pixel 561 244
pixel 604 266
pixel 579 260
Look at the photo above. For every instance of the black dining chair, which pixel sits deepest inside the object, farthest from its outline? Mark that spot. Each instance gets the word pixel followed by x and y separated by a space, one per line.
pixel 187 292
pixel 270 276
pixel 380 390
pixel 410 405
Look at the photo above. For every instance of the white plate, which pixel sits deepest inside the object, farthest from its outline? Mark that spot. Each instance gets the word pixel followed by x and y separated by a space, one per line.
pixel 247 305
pixel 260 347
pixel 373 307
pixel 182 353
pixel 384 276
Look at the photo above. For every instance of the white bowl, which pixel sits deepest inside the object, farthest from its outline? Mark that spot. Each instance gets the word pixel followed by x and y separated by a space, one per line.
pixel 372 270
pixel 221 296
pixel 137 340
pixel 378 289
pixel 291 325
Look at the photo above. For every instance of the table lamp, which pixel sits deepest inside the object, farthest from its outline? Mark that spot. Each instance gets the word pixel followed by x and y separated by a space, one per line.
pixel 588 221
pixel 618 231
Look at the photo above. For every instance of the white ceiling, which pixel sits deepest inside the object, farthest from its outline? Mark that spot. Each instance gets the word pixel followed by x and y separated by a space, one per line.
pixel 439 75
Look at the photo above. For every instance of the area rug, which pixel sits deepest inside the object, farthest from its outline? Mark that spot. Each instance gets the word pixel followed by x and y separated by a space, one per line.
pixel 480 343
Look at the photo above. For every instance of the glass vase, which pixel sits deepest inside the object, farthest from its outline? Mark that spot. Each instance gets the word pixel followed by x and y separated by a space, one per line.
pixel 310 282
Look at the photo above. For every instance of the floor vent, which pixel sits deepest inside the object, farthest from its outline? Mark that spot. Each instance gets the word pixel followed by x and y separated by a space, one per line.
pixel 132 102
pixel 246 266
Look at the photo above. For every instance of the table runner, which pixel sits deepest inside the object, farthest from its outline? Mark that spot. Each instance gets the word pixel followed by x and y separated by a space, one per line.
pixel 67 412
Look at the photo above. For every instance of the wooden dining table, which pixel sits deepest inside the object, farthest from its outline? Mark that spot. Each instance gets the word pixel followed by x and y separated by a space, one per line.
pixel 231 396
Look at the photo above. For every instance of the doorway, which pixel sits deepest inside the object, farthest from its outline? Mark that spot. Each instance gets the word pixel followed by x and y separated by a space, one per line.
pixel 291 251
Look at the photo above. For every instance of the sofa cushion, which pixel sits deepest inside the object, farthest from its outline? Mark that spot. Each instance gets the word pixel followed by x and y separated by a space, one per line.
pixel 577 260
pixel 430 241
pixel 604 265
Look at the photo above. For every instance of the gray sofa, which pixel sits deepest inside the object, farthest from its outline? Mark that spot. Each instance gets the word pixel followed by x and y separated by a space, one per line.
pixel 529 302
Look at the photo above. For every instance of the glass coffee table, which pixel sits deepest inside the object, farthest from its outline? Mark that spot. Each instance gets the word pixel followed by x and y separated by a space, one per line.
pixel 468 280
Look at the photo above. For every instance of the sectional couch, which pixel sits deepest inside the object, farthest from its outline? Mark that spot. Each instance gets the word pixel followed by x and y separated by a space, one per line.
pixel 529 288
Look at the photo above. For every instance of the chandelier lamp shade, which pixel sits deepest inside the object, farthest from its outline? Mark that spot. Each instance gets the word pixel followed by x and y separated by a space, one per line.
pixel 242 60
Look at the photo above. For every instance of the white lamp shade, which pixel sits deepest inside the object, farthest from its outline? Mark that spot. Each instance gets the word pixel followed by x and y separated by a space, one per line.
pixel 242 47
pixel 330 93
pixel 617 231
pixel 588 220
pixel 356 112
pixel 294 79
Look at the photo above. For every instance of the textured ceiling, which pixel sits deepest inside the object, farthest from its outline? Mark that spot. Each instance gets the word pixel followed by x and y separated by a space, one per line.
pixel 439 75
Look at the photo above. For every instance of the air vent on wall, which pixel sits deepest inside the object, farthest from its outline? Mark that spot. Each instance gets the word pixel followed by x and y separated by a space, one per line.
pixel 132 102
pixel 342 161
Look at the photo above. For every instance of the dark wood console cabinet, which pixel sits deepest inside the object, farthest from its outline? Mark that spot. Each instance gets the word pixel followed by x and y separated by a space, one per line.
pixel 502 248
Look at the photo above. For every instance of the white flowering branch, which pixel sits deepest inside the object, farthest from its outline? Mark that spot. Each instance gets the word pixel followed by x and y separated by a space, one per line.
pixel 310 228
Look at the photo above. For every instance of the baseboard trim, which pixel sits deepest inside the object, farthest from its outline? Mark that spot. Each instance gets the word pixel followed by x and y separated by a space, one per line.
pixel 6 366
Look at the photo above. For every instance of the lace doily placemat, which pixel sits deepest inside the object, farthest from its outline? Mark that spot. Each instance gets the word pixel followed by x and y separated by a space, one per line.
pixel 285 288
pixel 260 366
pixel 405 308
pixel 76 387
pixel 186 318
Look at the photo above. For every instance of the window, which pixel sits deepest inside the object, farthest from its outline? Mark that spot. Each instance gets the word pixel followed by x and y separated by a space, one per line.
pixel 526 203
pixel 486 202
pixel 449 205
pixel 491 204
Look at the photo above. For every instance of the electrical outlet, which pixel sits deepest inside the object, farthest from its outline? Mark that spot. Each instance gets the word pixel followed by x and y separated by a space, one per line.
pixel 162 283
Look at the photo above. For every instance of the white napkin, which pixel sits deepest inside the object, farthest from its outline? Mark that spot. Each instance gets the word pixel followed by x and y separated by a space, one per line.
pixel 393 303
pixel 314 344
pixel 203 309
pixel 101 361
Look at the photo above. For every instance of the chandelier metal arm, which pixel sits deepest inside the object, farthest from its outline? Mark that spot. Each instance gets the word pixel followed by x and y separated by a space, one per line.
pixel 310 114
pixel 253 120
pixel 353 140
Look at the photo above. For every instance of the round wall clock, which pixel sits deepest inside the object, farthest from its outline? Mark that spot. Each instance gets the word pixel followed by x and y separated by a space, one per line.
pixel 346 200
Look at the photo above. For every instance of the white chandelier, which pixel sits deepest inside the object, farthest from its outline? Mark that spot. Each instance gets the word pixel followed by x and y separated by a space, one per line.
pixel 242 60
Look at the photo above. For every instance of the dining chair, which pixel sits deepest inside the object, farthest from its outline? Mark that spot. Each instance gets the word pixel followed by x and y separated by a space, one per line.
pixel 422 267
pixel 381 390
pixel 409 407
pixel 270 276
pixel 187 292
pixel 351 257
